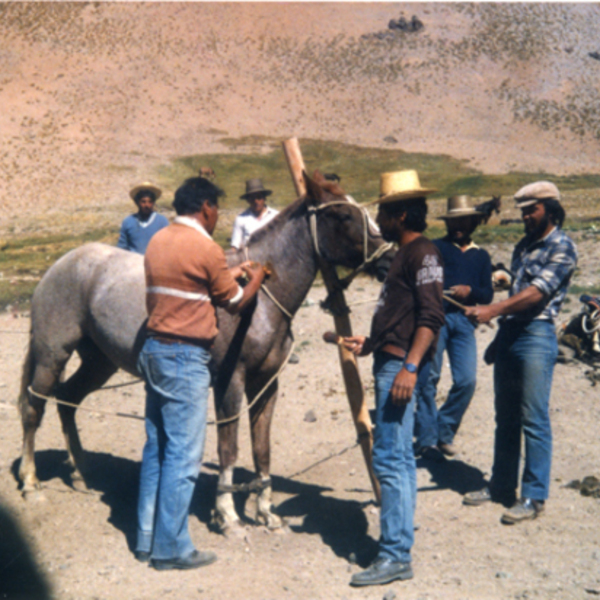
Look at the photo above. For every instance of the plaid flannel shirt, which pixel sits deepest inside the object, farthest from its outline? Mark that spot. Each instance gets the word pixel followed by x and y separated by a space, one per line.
pixel 548 264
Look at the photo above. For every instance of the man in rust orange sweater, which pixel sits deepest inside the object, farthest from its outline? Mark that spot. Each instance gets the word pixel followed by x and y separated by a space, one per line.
pixel 186 276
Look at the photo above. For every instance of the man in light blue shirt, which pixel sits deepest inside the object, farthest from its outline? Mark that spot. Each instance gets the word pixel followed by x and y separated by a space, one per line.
pixel 138 229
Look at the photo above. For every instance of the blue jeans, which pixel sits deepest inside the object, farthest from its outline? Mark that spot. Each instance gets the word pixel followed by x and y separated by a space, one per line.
pixel 394 462
pixel 522 381
pixel 457 338
pixel 177 384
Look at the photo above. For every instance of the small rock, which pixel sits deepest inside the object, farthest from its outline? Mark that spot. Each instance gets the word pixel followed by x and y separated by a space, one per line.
pixel 389 595
pixel 390 139
pixel 310 416
pixel 502 575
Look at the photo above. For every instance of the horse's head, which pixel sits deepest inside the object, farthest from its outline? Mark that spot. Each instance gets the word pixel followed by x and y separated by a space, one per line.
pixel 343 233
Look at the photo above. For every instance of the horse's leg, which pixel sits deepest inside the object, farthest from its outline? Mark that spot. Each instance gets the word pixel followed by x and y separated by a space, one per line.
pixel 227 405
pixel 261 416
pixel 93 372
pixel 42 380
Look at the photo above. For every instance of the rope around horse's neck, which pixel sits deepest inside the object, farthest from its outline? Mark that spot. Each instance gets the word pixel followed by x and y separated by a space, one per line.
pixel 269 293
pixel 139 418
pixel 313 210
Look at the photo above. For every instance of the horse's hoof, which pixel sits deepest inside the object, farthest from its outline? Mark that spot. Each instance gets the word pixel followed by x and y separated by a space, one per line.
pixel 271 521
pixel 237 531
pixel 34 495
pixel 227 527
pixel 79 484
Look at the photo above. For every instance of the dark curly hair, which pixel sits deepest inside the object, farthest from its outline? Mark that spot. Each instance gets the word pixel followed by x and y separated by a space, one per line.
pixel 555 211
pixel 415 209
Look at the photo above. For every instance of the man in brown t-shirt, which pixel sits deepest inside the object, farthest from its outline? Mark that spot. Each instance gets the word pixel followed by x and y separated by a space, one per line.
pixel 407 319
pixel 186 276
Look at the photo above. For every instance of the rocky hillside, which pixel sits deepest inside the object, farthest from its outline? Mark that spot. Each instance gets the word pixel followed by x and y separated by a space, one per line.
pixel 96 96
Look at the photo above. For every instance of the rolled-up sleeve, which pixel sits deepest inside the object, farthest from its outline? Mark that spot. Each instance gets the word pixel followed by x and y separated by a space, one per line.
pixel 560 266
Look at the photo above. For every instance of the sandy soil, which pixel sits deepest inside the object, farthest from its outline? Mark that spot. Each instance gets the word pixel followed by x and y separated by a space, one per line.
pixel 83 540
pixel 97 96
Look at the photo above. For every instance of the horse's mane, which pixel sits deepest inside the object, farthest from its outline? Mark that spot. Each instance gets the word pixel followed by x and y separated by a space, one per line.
pixel 333 187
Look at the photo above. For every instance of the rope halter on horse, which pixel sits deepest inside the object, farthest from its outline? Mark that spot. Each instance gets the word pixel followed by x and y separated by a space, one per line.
pixel 312 215
pixel 312 221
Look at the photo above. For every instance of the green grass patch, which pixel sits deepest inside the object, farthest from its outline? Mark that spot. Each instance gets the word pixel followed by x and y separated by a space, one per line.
pixel 24 259
pixel 578 290
pixel 16 293
pixel 359 168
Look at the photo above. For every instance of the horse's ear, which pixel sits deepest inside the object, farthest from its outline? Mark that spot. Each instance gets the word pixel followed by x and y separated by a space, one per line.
pixel 314 192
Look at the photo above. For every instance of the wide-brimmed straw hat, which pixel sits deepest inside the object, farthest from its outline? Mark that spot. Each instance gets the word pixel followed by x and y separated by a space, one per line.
pixel 145 186
pixel 460 206
pixel 400 185
pixel 536 192
pixel 254 187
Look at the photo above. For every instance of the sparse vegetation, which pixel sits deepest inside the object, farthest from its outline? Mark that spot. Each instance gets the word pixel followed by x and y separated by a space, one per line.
pixel 24 257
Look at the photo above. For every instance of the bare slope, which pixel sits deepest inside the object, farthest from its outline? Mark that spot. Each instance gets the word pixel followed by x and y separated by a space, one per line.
pixel 96 96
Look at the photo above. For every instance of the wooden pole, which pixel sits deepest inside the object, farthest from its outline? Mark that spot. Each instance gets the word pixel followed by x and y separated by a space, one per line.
pixel 343 327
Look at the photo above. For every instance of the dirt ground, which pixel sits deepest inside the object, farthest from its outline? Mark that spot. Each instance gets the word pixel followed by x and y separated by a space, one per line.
pixel 97 96
pixel 82 540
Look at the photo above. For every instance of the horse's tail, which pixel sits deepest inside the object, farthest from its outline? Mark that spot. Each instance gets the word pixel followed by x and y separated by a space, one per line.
pixel 26 376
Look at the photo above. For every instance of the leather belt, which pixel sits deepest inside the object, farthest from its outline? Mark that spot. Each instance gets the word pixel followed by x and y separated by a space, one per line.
pixel 166 339
pixel 395 350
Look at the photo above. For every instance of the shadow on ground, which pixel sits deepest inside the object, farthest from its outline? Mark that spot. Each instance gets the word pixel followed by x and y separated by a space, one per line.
pixel 454 475
pixel 340 523
pixel 115 478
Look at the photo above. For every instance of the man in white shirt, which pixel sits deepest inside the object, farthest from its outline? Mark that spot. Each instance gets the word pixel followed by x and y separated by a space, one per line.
pixel 255 216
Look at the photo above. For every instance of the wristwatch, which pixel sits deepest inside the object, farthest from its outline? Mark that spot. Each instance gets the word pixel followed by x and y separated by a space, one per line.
pixel 411 367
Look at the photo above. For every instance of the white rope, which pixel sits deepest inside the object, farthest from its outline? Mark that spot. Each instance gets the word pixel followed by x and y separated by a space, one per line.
pixel 313 210
pixel 280 306
pixel 139 418
pixel 594 319
pixel 269 293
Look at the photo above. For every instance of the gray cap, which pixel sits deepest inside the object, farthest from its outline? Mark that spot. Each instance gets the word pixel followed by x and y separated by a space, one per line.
pixel 536 192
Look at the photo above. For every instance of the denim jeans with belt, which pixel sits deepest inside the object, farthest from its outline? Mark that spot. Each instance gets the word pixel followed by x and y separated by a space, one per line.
pixel 394 462
pixel 523 371
pixel 177 384
pixel 433 426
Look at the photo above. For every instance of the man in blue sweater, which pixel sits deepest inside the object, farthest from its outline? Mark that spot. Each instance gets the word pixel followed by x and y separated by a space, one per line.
pixel 138 229
pixel 468 280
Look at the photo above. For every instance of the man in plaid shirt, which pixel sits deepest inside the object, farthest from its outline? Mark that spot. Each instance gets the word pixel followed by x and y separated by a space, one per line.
pixel 526 349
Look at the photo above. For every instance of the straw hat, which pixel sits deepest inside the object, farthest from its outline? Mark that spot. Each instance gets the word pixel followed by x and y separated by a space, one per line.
pixel 460 206
pixel 255 187
pixel 535 192
pixel 145 186
pixel 400 185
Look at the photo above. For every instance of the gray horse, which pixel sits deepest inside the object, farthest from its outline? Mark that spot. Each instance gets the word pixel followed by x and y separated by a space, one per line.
pixel 93 301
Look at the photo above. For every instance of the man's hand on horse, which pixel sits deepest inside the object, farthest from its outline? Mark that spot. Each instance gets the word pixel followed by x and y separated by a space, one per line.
pixel 253 270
